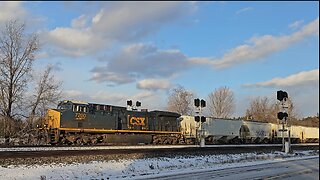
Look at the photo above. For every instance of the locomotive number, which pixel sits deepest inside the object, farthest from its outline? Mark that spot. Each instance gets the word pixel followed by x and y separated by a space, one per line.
pixel 80 116
pixel 138 121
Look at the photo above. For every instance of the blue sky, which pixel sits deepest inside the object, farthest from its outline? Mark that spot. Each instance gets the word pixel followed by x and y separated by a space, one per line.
pixel 109 52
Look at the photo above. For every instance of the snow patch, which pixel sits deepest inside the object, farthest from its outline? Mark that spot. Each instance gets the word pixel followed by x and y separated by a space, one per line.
pixel 146 168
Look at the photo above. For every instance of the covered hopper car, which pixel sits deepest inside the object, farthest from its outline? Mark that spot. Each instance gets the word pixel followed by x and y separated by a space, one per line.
pixel 232 131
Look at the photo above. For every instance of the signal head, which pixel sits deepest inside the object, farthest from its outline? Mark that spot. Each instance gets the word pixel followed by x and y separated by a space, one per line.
pixel 282 115
pixel 197 102
pixel 203 119
pixel 129 103
pixel 197 118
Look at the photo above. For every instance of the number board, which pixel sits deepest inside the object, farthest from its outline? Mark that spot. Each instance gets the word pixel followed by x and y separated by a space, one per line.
pixel 80 116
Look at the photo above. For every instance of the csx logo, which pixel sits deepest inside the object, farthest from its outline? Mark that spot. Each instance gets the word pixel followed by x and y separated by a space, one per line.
pixel 80 116
pixel 138 121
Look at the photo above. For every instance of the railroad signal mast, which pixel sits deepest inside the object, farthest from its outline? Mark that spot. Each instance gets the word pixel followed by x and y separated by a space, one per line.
pixel 130 105
pixel 282 96
pixel 199 118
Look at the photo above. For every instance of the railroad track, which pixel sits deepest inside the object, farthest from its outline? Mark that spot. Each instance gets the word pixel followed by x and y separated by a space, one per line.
pixel 146 151
pixel 99 147
pixel 29 157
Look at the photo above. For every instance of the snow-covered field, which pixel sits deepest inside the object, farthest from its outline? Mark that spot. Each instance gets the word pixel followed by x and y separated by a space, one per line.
pixel 145 168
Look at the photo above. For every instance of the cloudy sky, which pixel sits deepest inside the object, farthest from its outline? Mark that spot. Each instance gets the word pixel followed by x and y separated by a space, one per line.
pixel 109 52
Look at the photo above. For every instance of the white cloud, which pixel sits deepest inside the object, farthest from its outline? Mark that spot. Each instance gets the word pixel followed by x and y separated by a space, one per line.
pixel 116 22
pixel 100 74
pixel 81 41
pixel 244 10
pixel 11 10
pixel 42 55
pixel 136 16
pixel 96 19
pixel 299 79
pixel 72 93
pixel 108 98
pixel 147 98
pixel 296 24
pixel 79 22
pixel 259 47
pixel 140 61
pixel 153 84
pixel 142 96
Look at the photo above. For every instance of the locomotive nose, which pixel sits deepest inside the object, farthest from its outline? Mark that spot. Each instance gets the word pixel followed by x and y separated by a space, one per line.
pixel 53 118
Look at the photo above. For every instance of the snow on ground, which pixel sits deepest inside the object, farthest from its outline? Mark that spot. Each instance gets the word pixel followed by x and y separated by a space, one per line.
pixel 145 168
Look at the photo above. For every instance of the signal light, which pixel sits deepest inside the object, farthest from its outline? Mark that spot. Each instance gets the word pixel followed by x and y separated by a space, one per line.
pixel 197 102
pixel 129 103
pixel 282 115
pixel 138 103
pixel 197 118
pixel 203 103
pixel 282 95
pixel 203 119
pixel 200 118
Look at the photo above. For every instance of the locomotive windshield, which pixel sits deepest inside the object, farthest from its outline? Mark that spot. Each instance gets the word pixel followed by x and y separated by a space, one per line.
pixel 65 105
pixel 75 106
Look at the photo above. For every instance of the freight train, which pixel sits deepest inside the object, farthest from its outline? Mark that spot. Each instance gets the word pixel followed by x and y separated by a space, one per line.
pixel 76 122
pixel 234 131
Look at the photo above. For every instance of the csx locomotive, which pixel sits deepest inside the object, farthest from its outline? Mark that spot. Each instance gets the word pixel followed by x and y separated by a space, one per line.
pixel 75 122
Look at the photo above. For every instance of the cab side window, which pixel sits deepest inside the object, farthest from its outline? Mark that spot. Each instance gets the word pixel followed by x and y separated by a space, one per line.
pixel 79 108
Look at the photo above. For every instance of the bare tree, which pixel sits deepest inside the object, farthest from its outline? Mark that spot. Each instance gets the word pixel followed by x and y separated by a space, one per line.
pixel 180 101
pixel 46 92
pixel 17 53
pixel 293 112
pixel 261 109
pixel 221 102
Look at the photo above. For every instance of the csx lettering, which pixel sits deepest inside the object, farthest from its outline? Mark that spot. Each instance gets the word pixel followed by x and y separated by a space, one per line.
pixel 80 116
pixel 138 121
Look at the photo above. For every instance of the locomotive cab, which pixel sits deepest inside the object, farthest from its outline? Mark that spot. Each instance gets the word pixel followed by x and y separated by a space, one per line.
pixel 63 116
pixel 65 105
